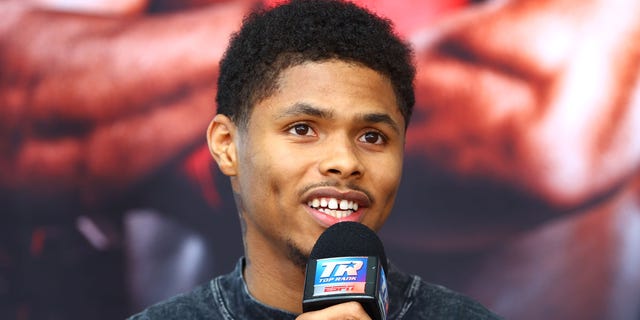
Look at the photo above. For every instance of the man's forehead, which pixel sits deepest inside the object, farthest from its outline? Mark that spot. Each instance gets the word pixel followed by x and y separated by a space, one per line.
pixel 273 85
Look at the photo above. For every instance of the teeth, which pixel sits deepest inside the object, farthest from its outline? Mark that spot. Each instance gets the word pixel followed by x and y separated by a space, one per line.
pixel 333 204
pixel 336 213
pixel 334 207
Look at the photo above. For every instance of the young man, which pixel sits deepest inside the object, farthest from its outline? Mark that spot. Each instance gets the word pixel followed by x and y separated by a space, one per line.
pixel 314 98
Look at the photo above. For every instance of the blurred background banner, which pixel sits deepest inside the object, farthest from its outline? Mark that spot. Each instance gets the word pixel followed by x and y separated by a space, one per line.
pixel 521 186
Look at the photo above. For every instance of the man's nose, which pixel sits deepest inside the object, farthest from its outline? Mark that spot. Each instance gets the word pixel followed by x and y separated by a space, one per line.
pixel 341 159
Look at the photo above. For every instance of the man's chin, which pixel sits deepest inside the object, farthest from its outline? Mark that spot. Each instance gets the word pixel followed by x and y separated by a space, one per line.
pixel 297 255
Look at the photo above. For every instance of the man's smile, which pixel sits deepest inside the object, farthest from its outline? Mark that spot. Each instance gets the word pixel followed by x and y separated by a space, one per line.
pixel 334 207
pixel 329 205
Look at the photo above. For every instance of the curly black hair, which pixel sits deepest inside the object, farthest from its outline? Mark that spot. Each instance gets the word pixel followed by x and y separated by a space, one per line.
pixel 271 41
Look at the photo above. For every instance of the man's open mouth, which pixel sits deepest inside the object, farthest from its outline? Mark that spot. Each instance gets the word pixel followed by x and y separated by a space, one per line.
pixel 337 208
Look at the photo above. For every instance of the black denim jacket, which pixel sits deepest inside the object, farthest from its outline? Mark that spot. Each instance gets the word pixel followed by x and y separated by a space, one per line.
pixel 226 297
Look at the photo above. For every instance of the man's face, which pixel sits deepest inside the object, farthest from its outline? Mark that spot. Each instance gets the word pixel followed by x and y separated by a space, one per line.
pixel 325 147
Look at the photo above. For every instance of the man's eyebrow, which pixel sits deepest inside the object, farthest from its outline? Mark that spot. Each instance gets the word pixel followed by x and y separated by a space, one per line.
pixel 380 118
pixel 301 108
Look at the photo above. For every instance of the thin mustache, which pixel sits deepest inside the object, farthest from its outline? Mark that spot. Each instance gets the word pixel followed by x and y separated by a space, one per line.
pixel 336 185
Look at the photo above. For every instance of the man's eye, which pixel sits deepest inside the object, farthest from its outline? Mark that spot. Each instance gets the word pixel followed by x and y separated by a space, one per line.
pixel 373 137
pixel 301 129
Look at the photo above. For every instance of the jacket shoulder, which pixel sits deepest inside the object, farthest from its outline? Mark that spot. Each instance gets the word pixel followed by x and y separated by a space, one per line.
pixel 417 299
pixel 194 305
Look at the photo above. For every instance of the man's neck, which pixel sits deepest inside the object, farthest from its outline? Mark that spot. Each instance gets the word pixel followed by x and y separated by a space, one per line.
pixel 274 281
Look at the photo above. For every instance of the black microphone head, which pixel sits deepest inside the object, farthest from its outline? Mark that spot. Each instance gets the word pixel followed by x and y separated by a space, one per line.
pixel 346 239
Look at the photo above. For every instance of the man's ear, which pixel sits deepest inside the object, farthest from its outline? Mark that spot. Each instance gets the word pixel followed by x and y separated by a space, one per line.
pixel 221 137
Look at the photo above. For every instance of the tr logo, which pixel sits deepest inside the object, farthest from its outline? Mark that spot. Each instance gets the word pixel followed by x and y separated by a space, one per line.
pixel 350 268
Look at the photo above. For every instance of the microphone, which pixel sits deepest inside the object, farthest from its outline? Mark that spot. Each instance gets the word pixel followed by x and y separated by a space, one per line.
pixel 347 263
